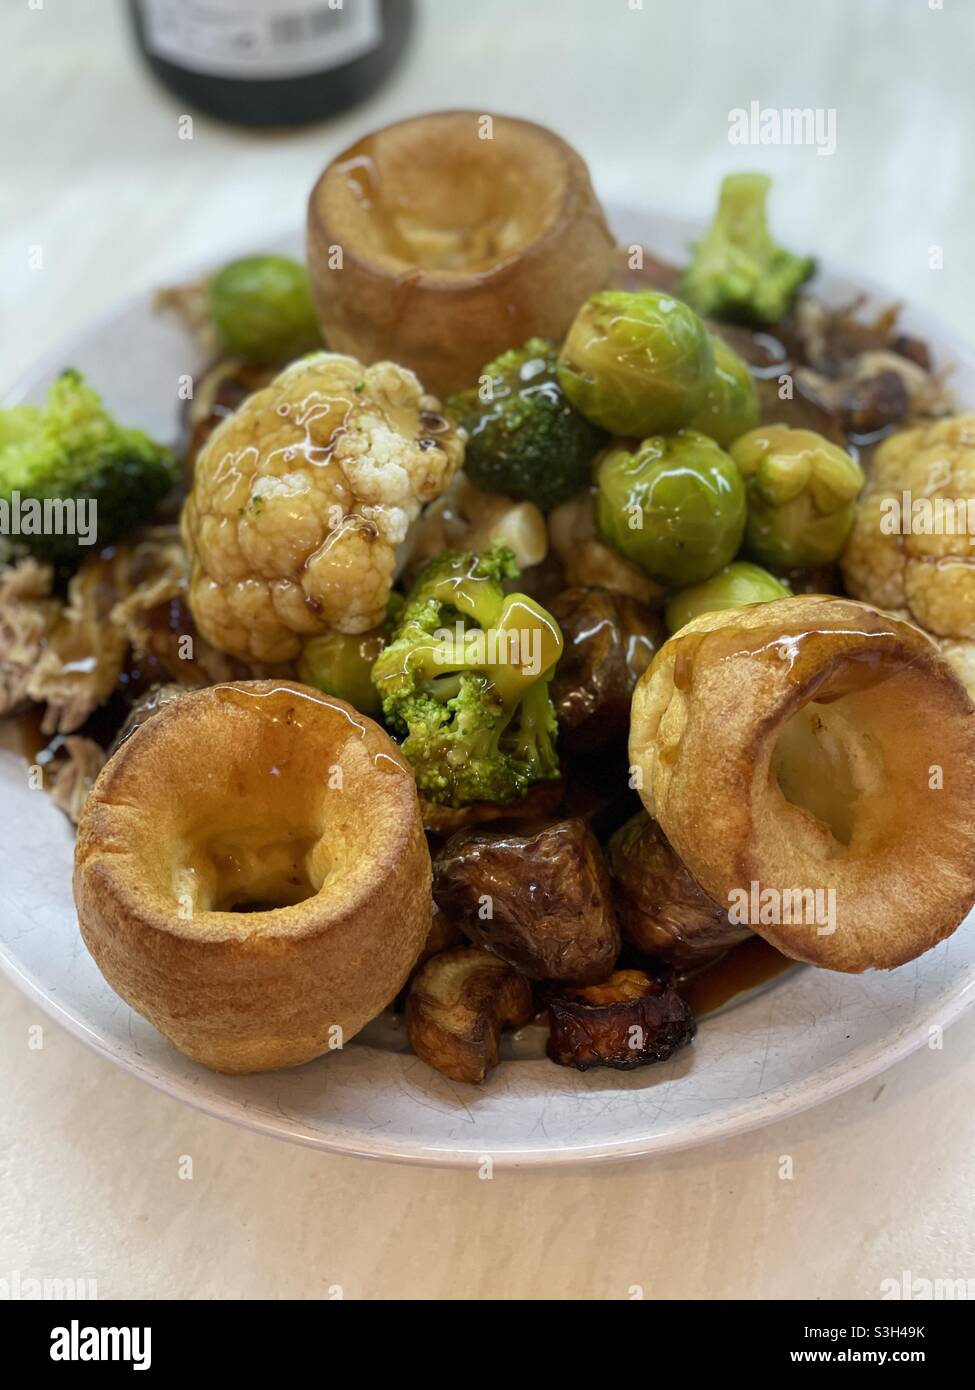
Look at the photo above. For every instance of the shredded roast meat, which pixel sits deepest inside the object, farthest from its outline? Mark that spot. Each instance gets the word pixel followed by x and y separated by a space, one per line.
pixel 84 652
pixel 191 302
pixel 72 777
pixel 155 618
pixel 864 372
pixel 832 339
pixel 28 612
pixel 69 656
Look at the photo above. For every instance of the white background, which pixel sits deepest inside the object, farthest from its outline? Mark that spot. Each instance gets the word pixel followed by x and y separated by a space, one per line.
pixel 92 172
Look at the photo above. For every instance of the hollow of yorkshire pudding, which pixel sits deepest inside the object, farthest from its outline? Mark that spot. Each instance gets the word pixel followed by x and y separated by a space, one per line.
pixel 812 762
pixel 442 240
pixel 251 873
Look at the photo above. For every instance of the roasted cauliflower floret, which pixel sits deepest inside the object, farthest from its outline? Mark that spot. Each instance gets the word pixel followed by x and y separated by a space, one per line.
pixel 301 498
pixel 912 546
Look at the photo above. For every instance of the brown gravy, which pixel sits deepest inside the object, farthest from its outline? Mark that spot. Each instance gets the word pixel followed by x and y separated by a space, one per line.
pixel 749 965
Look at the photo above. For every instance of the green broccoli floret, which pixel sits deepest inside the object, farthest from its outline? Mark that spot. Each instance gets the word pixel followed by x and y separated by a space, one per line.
pixel 525 439
pixel 737 272
pixel 72 451
pixel 464 682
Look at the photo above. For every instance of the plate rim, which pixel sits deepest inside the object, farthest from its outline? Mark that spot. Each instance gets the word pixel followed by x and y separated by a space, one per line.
pixel 767 1108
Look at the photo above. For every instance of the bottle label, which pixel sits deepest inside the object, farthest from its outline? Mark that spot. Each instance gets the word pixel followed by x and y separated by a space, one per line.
pixel 260 38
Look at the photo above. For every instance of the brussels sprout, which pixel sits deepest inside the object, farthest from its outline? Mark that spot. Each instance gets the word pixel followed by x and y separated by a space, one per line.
pixel 731 405
pixel 738 584
pixel 636 364
pixel 341 665
pixel 527 441
pixel 262 309
pixel 673 505
pixel 802 493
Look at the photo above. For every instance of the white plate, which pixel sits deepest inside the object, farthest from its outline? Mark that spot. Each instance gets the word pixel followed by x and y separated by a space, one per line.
pixel 802 1039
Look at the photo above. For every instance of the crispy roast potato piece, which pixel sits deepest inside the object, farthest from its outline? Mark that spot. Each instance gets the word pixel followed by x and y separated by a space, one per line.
pixel 610 640
pixel 537 897
pixel 663 910
pixel 629 1021
pixel 457 1006
pixel 442 936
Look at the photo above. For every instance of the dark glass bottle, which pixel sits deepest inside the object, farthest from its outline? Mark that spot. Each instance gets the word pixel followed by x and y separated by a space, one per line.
pixel 271 62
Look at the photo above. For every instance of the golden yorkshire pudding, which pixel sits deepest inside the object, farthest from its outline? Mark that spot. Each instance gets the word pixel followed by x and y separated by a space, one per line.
pixel 812 762
pixel 442 240
pixel 251 873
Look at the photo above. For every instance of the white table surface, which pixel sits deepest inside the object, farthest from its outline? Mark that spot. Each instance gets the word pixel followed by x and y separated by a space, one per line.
pixel 94 174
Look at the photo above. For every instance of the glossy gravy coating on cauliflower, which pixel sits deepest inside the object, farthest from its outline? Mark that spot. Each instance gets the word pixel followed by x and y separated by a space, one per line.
pixel 301 498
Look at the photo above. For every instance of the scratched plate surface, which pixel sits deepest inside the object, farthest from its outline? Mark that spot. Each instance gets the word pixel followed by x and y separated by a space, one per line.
pixel 804 1037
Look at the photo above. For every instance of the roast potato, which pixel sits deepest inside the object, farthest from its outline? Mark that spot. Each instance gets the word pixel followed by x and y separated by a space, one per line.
pixel 663 910
pixel 610 640
pixel 537 897
pixel 456 1008
pixel 442 936
pixel 629 1021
